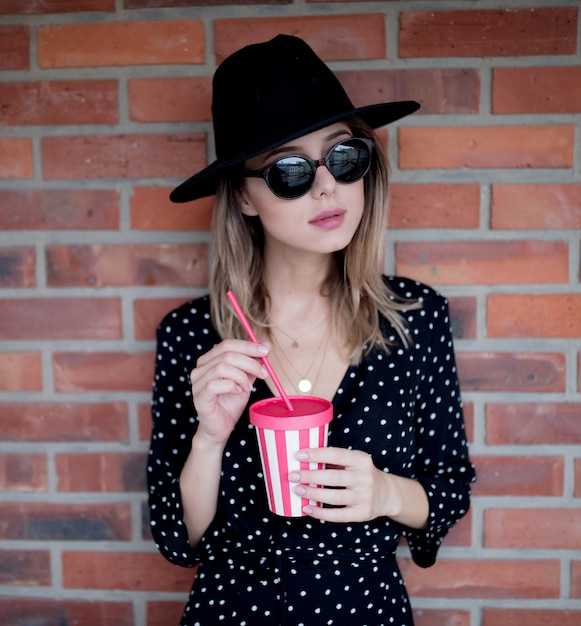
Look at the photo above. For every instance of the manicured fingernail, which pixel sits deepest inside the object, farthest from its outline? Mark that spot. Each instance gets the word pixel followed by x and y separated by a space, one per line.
pixel 262 349
pixel 300 490
pixel 302 456
pixel 294 477
pixel 307 509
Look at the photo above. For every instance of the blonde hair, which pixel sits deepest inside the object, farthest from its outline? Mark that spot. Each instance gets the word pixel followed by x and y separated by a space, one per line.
pixel 355 286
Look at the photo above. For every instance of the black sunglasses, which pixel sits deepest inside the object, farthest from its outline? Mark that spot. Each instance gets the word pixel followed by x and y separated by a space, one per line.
pixel 291 177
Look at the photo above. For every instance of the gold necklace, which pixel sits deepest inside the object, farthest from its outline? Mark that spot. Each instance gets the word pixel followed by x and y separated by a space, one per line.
pixel 295 340
pixel 304 384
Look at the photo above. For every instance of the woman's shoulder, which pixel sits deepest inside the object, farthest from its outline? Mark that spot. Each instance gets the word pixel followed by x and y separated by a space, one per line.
pixel 196 310
pixel 408 289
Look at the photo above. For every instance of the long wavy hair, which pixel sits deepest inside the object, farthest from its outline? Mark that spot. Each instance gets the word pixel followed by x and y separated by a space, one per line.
pixel 355 286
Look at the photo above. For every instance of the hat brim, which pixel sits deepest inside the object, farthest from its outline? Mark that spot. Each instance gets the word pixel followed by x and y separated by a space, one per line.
pixel 205 182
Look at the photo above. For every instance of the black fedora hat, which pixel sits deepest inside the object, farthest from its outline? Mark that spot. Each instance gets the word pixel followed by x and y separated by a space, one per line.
pixel 268 94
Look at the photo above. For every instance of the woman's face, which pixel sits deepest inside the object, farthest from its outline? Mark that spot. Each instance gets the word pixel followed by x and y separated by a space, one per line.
pixel 325 219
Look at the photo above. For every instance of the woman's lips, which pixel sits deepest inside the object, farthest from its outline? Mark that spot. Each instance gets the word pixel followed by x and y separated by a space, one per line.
pixel 329 219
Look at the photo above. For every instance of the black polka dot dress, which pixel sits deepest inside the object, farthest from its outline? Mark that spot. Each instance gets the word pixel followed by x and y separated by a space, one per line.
pixel 256 568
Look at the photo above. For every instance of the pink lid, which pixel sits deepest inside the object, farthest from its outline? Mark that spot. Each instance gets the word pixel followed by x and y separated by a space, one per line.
pixel 309 412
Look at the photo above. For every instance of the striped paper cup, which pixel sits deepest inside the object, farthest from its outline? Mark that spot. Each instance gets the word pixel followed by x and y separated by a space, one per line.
pixel 281 434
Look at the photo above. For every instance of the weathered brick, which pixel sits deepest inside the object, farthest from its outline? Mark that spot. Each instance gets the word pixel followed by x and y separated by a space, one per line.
pixel 170 99
pixel 59 102
pixel 576 579
pixel 144 419
pixel 164 612
pixel 484 578
pixel 59 209
pixel 333 37
pixel 104 371
pixel 101 472
pixel 23 472
pixel 547 315
pixel 28 7
pixel 17 267
pixel 498 32
pixel 16 157
pixel 484 262
pixel 468 410
pixel 511 371
pixel 577 492
pixel 434 205
pixel 123 571
pixel 23 567
pixel 151 209
pixel 121 43
pixel 60 318
pixel 536 90
pixel 546 206
pixel 439 90
pixel 519 475
pixel 24 611
pixel 486 147
pixel 20 371
pixel 148 313
pixel 65 522
pixel 463 316
pixel 533 423
pixel 537 529
pixel 14 47
pixel 121 265
pixel 123 156
pixel 66 421
pixel 530 617
pixel 441 617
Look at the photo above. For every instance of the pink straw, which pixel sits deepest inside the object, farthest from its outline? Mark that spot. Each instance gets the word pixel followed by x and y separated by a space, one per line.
pixel 264 359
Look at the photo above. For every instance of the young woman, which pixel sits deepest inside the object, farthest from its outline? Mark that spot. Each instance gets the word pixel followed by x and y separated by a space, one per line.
pixel 298 232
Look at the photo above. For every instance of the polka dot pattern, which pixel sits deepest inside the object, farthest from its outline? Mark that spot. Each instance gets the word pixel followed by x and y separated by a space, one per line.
pixel 404 409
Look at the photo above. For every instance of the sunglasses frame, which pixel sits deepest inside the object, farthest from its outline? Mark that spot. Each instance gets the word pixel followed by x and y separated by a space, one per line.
pixel 263 172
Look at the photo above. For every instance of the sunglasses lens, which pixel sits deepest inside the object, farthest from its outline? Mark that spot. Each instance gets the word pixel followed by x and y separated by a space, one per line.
pixel 349 160
pixel 291 177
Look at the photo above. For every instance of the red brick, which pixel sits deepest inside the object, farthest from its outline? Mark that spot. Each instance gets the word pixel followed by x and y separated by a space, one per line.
pixel 519 475
pixel 511 371
pixel 170 99
pixel 484 262
pixel 14 47
pixel 577 470
pixel 65 522
pixel 59 209
pixel 546 206
pixel 17 267
pixel 537 529
pixel 122 265
pixel 468 410
pixel 163 612
pixel 434 205
pixel 548 315
pixel 439 90
pixel 530 617
pixel 60 318
pixel 23 611
pixel 104 371
pixel 333 37
pixel 533 423
pixel 498 32
pixel 151 209
pixel 28 7
pixel 487 578
pixel 486 147
pixel 23 472
pixel 118 571
pixel 101 472
pixel 16 157
pixel 144 420
pixel 461 534
pixel 121 43
pixel 44 421
pixel 24 567
pixel 20 371
pixel 123 156
pixel 576 579
pixel 536 90
pixel 463 316
pixel 148 313
pixel 59 102
pixel 441 617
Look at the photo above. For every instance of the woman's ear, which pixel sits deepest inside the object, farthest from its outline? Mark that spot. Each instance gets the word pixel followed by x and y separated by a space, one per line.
pixel 244 203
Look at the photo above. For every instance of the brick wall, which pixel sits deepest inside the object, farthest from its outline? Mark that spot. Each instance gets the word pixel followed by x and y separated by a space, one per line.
pixel 104 107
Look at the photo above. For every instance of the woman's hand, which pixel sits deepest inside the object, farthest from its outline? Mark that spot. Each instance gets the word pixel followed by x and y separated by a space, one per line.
pixel 221 384
pixel 360 490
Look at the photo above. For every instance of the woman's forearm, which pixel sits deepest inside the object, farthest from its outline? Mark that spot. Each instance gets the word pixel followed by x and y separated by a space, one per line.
pixel 408 502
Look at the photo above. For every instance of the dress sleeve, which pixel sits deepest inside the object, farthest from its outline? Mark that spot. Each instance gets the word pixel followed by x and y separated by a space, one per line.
pixel 443 466
pixel 174 423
